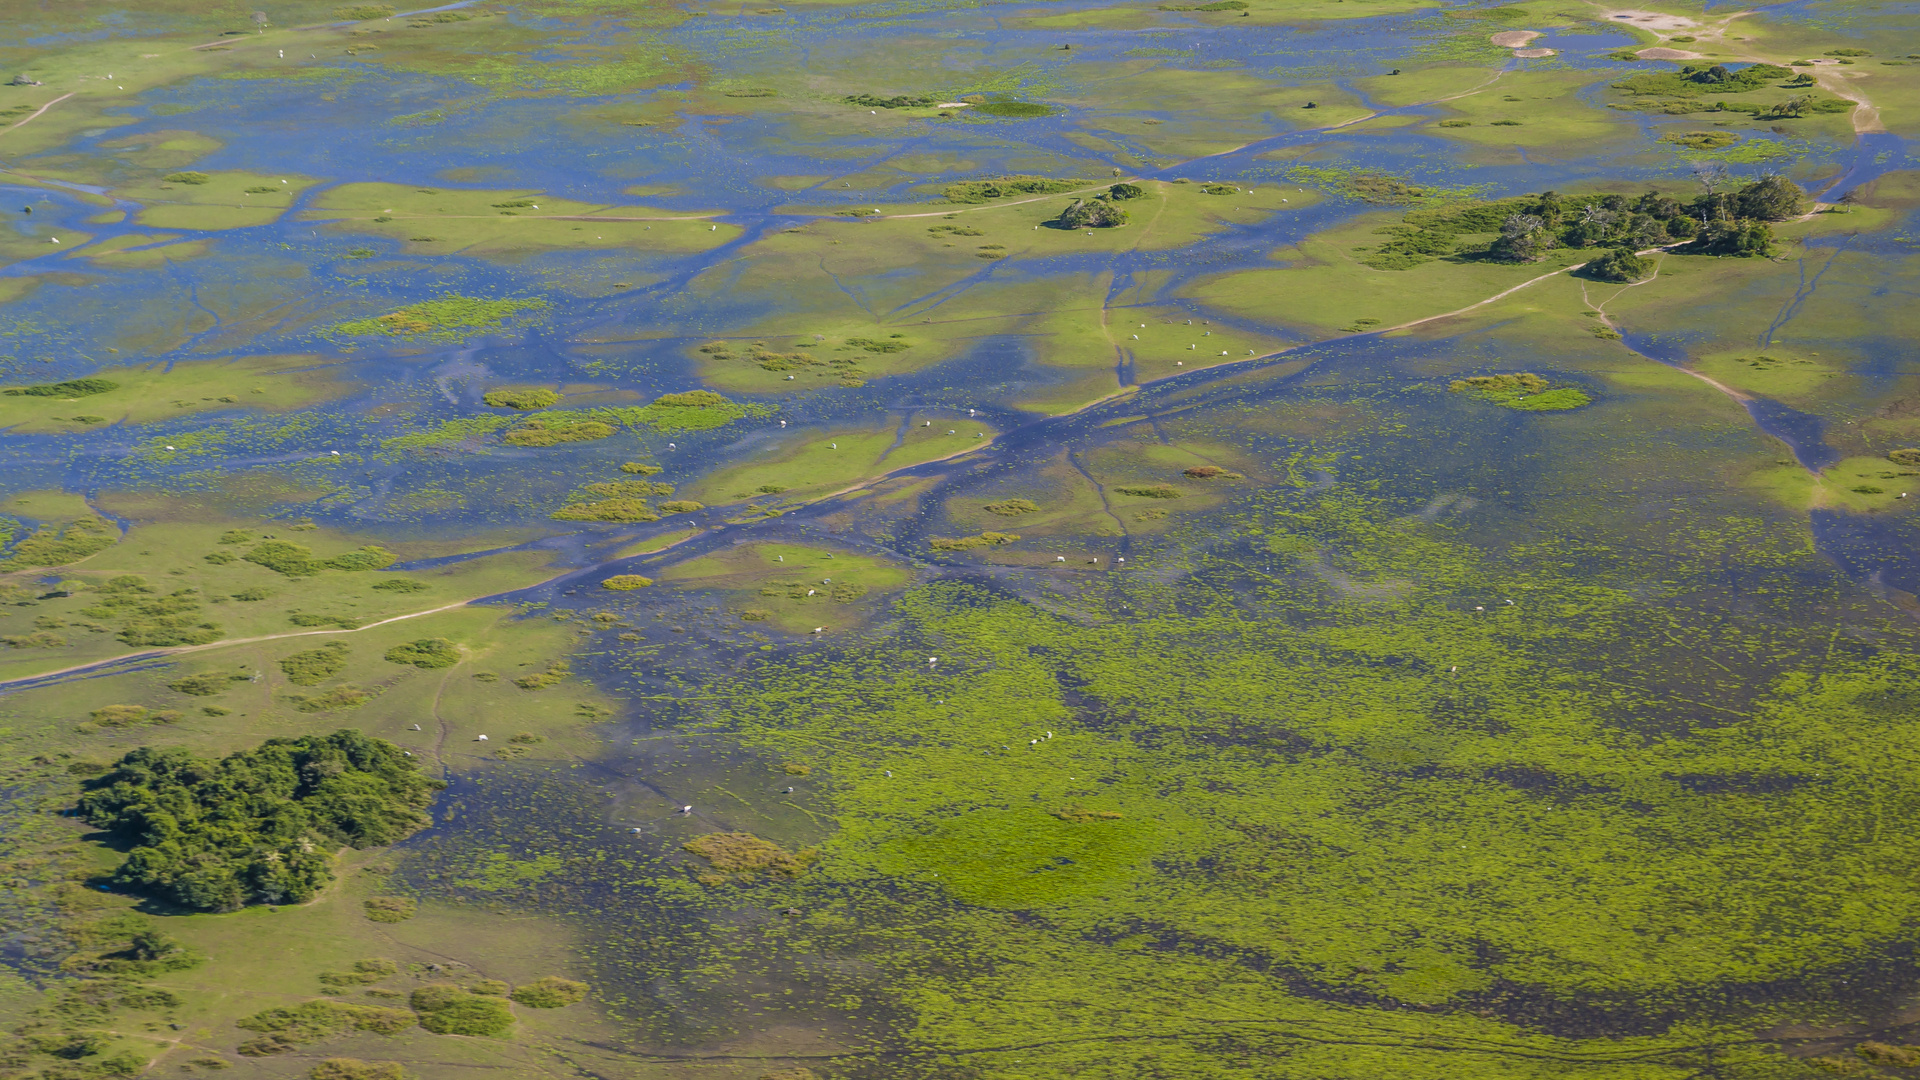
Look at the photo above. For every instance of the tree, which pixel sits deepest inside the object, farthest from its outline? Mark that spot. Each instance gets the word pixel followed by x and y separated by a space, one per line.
pixel 1771 198
pixel 1742 238
pixel 261 22
pixel 1710 175
pixel 1126 191
pixel 1523 237
pixel 1620 265
pixel 1091 214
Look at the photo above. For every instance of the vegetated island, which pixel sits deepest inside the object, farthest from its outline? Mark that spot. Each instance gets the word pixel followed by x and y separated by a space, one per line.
pixel 259 826
pixel 1523 390
pixel 1526 227
pixel 1103 211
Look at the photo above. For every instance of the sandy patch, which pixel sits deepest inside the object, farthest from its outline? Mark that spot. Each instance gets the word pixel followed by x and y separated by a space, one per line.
pixel 1652 20
pixel 1514 39
pixel 1668 54
pixel 1532 54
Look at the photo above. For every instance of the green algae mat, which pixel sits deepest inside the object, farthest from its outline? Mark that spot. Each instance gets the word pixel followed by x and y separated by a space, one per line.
pixel 959 541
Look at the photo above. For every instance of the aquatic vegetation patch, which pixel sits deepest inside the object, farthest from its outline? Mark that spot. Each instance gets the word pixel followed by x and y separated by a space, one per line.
pixel 1149 491
pixel 623 510
pixel 980 191
pixel 556 428
pixel 521 398
pixel 556 672
pixel 1015 110
pixel 219 846
pixel 425 653
pixel 1210 472
pixel 968 543
pixel 900 101
pixel 451 317
pixel 1011 507
pixel 1904 456
pixel 737 856
pixel 1523 390
pixel 283 1030
pixel 450 432
pixel 626 582
pixel 1702 140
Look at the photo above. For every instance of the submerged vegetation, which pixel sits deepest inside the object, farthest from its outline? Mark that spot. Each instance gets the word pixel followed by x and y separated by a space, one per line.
pixel 258 826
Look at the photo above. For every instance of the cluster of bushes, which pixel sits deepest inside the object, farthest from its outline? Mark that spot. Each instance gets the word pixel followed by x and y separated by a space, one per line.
pixel 1527 227
pixel 968 543
pixel 59 545
pixel 1694 79
pixel 298 560
pixel 979 191
pixel 1095 213
pixel 521 398
pixel 72 388
pixel 257 826
pixel 149 619
pixel 902 101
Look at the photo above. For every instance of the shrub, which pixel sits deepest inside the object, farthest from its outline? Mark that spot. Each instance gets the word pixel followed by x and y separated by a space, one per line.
pixel 129 716
pixel 979 191
pixel 425 653
pixel 556 672
pixel 390 909
pixel 1150 491
pixel 50 546
pixel 903 101
pixel 626 582
pixel 1904 457
pixel 1620 265
pixel 257 825
pixel 449 1010
pixel 400 585
pixel 285 1030
pixel 205 684
pixel 72 388
pixel 641 469
pixel 284 557
pixel 521 398
pixel 315 666
pixel 542 431
pixel 1123 192
pixel 371 557
pixel 1090 214
pixel 552 992
pixel 187 178
pixel 692 399
pixel 621 510
pixel 1011 507
pixel 967 543
pixel 355 1069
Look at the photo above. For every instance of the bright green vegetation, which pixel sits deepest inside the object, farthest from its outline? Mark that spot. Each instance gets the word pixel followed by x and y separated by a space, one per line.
pixel 551 992
pixel 1524 391
pixel 734 857
pixel 1702 140
pixel 298 560
pixel 425 653
pixel 445 1009
pixel 450 318
pixel 207 683
pixel 626 582
pixel 556 672
pixel 1696 78
pixel 448 433
pixel 283 1031
pixel 980 191
pixel 1904 456
pixel 257 826
pixel 1150 491
pixel 72 388
pixel 1017 110
pixel 968 543
pixel 148 618
pixel 903 101
pixel 315 666
pixel 522 398
pixel 52 545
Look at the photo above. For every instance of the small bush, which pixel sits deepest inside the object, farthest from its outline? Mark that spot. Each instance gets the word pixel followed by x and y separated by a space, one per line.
pixel 1123 192
pixel 371 557
pixel 345 697
pixel 552 992
pixel 692 399
pixel 284 557
pixel 205 684
pixel 187 178
pixel 1150 491
pixel 521 398
pixel 355 1069
pixel 558 671
pixel 626 582
pixel 425 653
pixel 967 543
pixel 682 506
pixel 130 715
pixel 641 469
pixel 390 909
pixel 1904 457
pixel 449 1010
pixel 401 585
pixel 1011 507
pixel 490 987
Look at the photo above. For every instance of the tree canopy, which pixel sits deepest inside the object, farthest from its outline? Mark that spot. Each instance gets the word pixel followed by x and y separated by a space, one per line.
pixel 258 826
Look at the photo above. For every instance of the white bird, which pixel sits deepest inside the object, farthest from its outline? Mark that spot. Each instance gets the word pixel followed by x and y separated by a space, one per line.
pixel 819 629
pixel 1033 742
pixel 1479 608
pixel 635 829
pixel 1136 337
pixel 809 592
pixel 670 446
pixel 686 809
pixel 779 558
pixel 1059 558
pixel 283 181
pixel 409 753
pixel 169 447
pixel 283 54
pixel 933 659
pixel 713 228
pixel 833 446
pixel 336 453
pixel 56 239
pixel 949 431
pixel 1455 667
pixel 783 423
pixel 1123 558
pixel 889 774
pixel 416 727
pixel 1049 734
pixel 482 738
pixel 969 412
pixel 789 791
pixel 1509 603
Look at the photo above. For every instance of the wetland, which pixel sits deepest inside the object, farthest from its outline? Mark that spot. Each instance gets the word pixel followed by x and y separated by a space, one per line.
pixel 874 541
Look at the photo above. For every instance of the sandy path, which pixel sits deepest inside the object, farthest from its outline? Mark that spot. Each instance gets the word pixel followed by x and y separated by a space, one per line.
pixel 23 121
